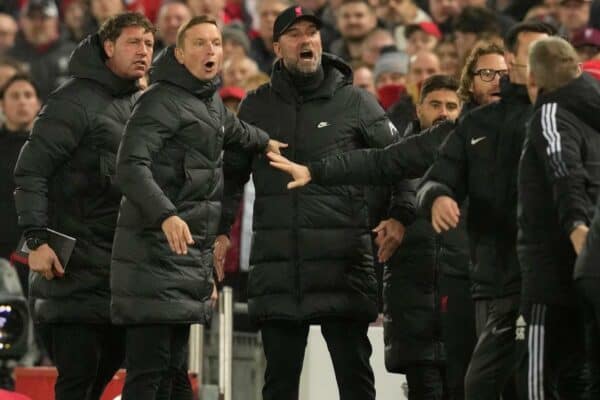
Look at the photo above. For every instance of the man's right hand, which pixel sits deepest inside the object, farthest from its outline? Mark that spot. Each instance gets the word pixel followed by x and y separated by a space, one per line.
pixel 44 261
pixel 178 234
pixel 300 173
pixel 578 237
pixel 444 214
pixel 221 246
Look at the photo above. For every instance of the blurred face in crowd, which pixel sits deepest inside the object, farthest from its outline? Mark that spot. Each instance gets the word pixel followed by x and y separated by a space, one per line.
pixel 517 62
pixel 464 42
pixel 130 55
pixel 300 48
pixel 448 57
pixel 485 87
pixel 212 8
pixel 422 65
pixel 104 9
pixel 6 72
pixel 268 10
pixel 587 53
pixel 442 10
pixel 232 49
pixel 8 32
pixel 574 14
pixel 419 40
pixel 473 3
pixel 373 44
pixel 363 78
pixel 355 21
pixel 170 18
pixel 202 51
pixel 553 6
pixel 438 106
pixel 313 5
pixel 39 29
pixel 390 78
pixel 75 15
pixel 20 105
pixel 401 11
pixel 237 70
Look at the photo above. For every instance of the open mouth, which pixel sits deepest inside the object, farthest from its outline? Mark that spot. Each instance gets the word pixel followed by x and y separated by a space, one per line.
pixel 209 64
pixel 306 55
pixel 141 64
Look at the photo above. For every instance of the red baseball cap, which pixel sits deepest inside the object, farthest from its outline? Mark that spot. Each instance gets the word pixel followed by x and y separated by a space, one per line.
pixel 586 37
pixel 428 27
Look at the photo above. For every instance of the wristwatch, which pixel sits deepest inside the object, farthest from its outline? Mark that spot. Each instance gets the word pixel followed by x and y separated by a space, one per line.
pixel 33 243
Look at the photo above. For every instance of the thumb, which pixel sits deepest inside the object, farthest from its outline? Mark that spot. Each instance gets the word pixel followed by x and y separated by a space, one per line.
pixel 294 185
pixel 379 227
pixel 284 145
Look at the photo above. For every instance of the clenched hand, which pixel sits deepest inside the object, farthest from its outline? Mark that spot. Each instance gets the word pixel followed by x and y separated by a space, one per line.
pixel 444 214
pixel 44 261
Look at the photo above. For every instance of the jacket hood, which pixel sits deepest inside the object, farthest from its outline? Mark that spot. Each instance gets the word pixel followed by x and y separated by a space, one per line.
pixel 88 61
pixel 166 68
pixel 337 74
pixel 581 97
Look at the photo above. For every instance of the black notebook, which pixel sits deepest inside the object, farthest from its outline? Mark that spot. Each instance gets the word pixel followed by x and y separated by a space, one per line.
pixel 62 245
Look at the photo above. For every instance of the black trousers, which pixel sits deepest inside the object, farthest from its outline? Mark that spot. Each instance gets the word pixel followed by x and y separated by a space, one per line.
pixel 492 369
pixel 86 357
pixel 425 382
pixel 589 293
pixel 156 362
pixel 458 329
pixel 552 366
pixel 284 343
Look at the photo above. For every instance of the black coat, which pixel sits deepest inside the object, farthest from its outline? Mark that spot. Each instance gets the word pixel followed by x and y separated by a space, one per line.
pixel 559 181
pixel 312 250
pixel 10 232
pixel 64 178
pixel 170 163
pixel 480 160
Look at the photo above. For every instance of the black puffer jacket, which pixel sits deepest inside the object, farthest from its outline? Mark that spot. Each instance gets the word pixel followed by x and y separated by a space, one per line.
pixel 480 160
pixel 170 163
pixel 64 179
pixel 559 182
pixel 312 251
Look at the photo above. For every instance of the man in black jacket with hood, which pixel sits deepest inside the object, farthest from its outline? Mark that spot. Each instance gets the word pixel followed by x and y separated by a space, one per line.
pixel 312 258
pixel 65 181
pixel 559 182
pixel 169 169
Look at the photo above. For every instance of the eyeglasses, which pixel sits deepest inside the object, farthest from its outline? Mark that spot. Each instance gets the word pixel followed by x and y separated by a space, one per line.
pixel 488 75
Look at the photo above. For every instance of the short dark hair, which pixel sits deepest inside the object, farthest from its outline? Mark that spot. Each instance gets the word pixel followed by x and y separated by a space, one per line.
pixel 477 20
pixel 438 82
pixel 200 19
pixel 365 2
pixel 111 28
pixel 18 78
pixel 511 41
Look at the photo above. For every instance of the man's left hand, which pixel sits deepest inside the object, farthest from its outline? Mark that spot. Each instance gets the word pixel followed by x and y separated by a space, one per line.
pixel 275 146
pixel 390 233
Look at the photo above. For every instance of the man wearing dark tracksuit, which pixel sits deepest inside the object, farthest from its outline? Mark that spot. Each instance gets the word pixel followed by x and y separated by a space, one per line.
pixel 559 181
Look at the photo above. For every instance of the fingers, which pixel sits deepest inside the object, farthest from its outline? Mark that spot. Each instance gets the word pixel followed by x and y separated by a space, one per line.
pixel 295 184
pixel 277 158
pixel 380 227
pixel 285 167
pixel 58 269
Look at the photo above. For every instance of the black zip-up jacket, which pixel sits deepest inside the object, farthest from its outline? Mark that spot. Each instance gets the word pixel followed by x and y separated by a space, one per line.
pixel 559 181
pixel 312 253
pixel 65 181
pixel 170 162
pixel 480 160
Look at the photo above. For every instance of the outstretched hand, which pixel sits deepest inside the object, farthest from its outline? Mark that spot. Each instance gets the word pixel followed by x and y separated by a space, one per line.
pixel 300 173
pixel 275 146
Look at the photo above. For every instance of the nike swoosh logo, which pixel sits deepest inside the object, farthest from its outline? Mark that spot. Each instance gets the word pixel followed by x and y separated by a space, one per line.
pixel 474 141
pixel 323 124
pixel 496 331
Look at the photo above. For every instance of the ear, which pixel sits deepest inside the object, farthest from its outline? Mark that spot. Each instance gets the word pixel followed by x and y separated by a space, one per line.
pixel 418 108
pixel 277 49
pixel 109 48
pixel 179 55
pixel 509 58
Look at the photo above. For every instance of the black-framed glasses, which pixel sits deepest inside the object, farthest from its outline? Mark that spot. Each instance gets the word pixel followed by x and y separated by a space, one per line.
pixel 488 75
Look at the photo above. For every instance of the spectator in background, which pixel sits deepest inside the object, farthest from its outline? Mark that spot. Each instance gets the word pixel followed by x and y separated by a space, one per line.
pixel 256 80
pixel 8 32
pixel 573 15
pixel 235 42
pixel 8 68
pixel 391 69
pixel 355 20
pixel 422 36
pixel 77 20
pixel 473 24
pixel 323 9
pixel 448 56
pixel 376 40
pixel 232 97
pixel 443 12
pixel 170 17
pixel 480 78
pixel 422 65
pixel 212 8
pixel 20 104
pixel 40 47
pixel 363 78
pixel 587 44
pixel 237 70
pixel 10 7
pixel 399 14
pixel 104 9
pixel 262 46
pixel 505 21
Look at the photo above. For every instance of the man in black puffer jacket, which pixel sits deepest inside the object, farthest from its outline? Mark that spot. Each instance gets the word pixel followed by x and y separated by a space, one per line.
pixel 169 169
pixel 312 258
pixel 64 181
pixel 559 182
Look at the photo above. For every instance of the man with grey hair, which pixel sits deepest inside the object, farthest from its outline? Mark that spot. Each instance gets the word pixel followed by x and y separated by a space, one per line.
pixel 558 185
